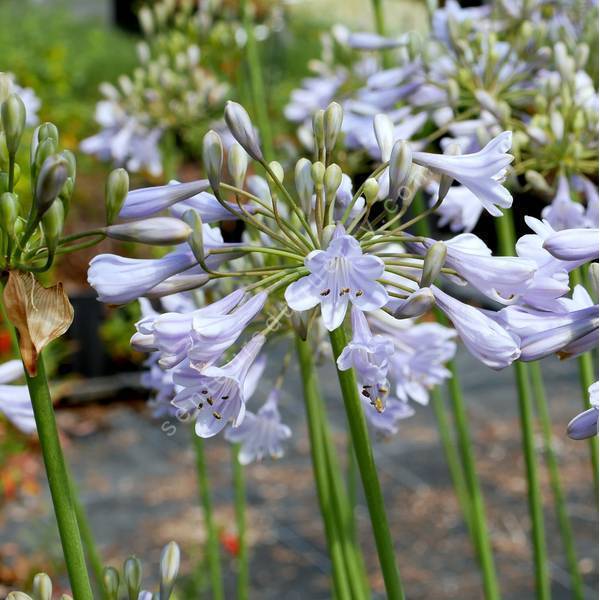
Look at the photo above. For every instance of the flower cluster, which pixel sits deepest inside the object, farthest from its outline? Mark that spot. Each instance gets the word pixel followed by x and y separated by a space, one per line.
pixel 306 257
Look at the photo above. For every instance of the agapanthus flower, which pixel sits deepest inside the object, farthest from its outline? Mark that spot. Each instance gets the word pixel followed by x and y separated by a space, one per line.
pixel 15 402
pixel 585 424
pixel 338 275
pixel 387 421
pixel 460 209
pixel 574 244
pixel 563 212
pixel 260 434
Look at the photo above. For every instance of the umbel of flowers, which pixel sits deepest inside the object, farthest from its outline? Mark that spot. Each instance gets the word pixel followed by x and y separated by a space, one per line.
pixel 318 256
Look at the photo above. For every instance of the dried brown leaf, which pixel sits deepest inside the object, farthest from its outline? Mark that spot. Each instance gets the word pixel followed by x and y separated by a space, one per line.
pixel 40 314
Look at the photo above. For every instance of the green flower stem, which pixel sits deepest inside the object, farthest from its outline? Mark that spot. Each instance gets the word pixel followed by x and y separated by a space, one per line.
pixel 87 537
pixel 213 550
pixel 379 19
pixel 536 511
pixel 239 487
pixel 453 459
pixel 351 483
pixel 562 514
pixel 319 460
pixel 506 242
pixel 585 363
pixel 60 489
pixel 256 82
pixel 478 517
pixel 368 472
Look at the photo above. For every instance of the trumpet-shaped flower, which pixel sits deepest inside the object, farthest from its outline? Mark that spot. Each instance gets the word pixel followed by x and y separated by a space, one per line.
pixel 573 244
pixel 15 402
pixel 460 209
pixel 338 275
pixel 386 421
pixel 217 395
pixel 481 172
pixel 585 424
pixel 262 433
pixel 368 354
pixel 564 213
pixel 485 339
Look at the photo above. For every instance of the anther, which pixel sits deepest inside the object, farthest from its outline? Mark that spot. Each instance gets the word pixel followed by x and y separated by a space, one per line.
pixel 217 415
pixel 204 392
pixel 325 292
pixel 359 293
pixel 224 397
pixel 210 401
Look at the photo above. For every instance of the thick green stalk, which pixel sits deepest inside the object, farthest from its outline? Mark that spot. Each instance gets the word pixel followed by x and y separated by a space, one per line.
pixel 239 488
pixel 453 459
pixel 319 460
pixel 60 489
pixel 534 494
pixel 256 82
pixel 379 20
pixel 506 242
pixel 478 517
pixel 212 542
pixel 368 471
pixel 560 504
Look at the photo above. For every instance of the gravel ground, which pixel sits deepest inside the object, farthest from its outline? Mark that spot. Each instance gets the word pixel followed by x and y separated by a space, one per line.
pixel 139 489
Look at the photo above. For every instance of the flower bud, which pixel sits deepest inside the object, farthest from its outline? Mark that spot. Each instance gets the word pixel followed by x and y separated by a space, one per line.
pixel 132 574
pixel 371 190
pixel 44 150
pixel 157 231
pixel 241 128
pixel 196 238
pixel 538 182
pixel 332 179
pixel 433 263
pixel 9 211
pixel 3 152
pixel 304 183
pixel 6 86
pixel 319 129
pixel 332 124
pixel 400 166
pixel 327 234
pixel 48 131
pixel 212 157
pixel 453 92
pixel 557 124
pixel 169 567
pixel 53 174
pixel 417 304
pixel 18 596
pixel 317 172
pixel 13 121
pixel 237 164
pixel 146 20
pixel 384 134
pixel 593 277
pixel 53 221
pixel 42 587
pixel 72 162
pixel 582 53
pixel 110 582
pixel 117 188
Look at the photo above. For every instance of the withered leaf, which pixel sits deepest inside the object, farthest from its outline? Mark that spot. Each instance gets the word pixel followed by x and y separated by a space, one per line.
pixel 40 314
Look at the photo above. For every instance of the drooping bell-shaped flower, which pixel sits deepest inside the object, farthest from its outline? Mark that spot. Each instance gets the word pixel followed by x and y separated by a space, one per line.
pixel 574 244
pixel 481 172
pixel 217 395
pixel 338 275
pixel 485 339
pixel 261 434
pixel 15 402
pixel 460 209
pixel 386 421
pixel 585 424
pixel 563 212
pixel 368 354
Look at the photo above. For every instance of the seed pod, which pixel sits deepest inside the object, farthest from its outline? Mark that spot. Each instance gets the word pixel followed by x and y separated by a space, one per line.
pixel 212 157
pixel 332 123
pixel 13 122
pixel 241 128
pixel 117 188
pixel 434 261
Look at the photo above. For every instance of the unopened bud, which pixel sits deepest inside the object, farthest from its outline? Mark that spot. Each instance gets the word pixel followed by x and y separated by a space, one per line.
pixel 42 587
pixel 53 174
pixel 117 188
pixel 13 122
pixel 304 183
pixel 332 179
pixel 417 304
pixel 557 124
pixel 538 182
pixel 241 128
pixel 400 166
pixel 317 172
pixel 156 231
pixel 45 149
pixel 384 134
pixel 371 190
pixel 18 596
pixel 169 567
pixel 237 164
pixel 333 117
pixel 9 211
pixel 319 129
pixel 6 86
pixel 196 238
pixel 146 20
pixel 582 53
pixel 110 580
pixel 327 234
pixel 593 277
pixel 132 573
pixel 212 157
pixel 48 131
pixel 433 263
pixel 53 222
pixel 453 92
